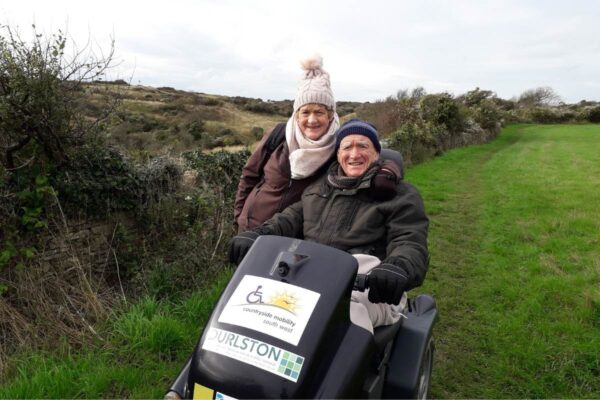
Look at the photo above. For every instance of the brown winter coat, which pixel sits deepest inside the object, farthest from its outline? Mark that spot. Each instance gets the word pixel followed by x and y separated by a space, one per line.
pixel 353 221
pixel 264 191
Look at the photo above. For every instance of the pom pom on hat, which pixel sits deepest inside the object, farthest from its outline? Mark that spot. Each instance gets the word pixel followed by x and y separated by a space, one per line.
pixel 312 65
pixel 314 87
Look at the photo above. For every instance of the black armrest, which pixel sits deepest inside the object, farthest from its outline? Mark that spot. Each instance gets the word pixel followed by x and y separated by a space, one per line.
pixel 395 156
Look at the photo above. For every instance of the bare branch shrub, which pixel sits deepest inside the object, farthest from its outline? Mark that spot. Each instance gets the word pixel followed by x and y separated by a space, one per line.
pixel 538 97
pixel 42 97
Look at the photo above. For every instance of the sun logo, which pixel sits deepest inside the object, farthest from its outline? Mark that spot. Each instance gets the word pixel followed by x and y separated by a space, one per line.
pixel 284 300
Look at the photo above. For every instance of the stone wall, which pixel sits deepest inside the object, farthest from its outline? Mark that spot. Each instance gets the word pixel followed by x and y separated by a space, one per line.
pixel 89 241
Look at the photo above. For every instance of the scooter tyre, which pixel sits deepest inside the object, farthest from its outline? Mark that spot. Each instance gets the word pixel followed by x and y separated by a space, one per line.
pixel 425 370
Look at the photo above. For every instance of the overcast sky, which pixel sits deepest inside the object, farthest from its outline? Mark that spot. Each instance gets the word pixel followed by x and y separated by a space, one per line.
pixel 371 48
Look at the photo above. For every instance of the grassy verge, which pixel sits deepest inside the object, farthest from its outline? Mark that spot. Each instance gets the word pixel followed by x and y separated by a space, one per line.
pixel 514 244
pixel 141 352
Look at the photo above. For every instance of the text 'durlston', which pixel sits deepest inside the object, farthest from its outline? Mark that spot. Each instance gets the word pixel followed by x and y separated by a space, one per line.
pixel 254 352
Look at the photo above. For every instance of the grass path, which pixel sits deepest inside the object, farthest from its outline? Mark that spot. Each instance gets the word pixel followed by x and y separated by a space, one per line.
pixel 514 240
pixel 515 267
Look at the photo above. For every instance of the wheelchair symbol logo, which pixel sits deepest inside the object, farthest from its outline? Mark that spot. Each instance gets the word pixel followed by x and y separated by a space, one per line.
pixel 255 296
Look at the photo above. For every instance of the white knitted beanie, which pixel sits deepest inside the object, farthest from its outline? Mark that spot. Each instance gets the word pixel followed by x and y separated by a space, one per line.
pixel 314 86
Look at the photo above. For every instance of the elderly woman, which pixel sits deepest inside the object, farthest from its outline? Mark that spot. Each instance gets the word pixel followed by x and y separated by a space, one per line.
pixel 274 178
pixel 361 206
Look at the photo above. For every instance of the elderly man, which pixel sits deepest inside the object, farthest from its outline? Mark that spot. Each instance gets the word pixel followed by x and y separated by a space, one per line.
pixel 361 206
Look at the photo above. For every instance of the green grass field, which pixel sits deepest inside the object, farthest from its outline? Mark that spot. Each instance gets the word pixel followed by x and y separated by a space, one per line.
pixel 514 240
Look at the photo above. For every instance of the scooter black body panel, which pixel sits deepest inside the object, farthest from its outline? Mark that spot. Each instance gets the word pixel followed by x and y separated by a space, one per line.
pixel 409 350
pixel 330 355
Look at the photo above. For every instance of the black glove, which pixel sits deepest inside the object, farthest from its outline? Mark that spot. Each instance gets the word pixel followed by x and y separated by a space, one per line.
pixel 384 184
pixel 239 246
pixel 387 282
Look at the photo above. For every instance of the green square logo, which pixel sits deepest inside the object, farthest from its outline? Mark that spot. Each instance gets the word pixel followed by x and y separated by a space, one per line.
pixel 290 365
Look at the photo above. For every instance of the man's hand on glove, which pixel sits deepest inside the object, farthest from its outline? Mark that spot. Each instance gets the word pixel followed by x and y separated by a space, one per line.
pixel 240 244
pixel 387 282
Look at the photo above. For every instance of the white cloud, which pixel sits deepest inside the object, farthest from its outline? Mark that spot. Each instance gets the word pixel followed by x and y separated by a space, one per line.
pixel 373 49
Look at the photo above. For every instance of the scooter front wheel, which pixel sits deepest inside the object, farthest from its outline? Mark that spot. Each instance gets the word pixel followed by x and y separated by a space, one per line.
pixel 425 370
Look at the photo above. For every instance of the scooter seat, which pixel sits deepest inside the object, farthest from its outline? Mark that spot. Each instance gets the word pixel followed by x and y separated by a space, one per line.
pixel 382 335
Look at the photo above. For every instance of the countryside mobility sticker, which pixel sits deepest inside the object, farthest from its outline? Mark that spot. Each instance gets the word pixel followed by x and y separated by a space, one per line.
pixel 254 352
pixel 271 307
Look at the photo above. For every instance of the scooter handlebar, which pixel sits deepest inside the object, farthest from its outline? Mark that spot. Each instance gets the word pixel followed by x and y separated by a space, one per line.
pixel 361 283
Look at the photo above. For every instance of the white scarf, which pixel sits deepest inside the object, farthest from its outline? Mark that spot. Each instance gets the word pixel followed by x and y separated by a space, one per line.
pixel 306 155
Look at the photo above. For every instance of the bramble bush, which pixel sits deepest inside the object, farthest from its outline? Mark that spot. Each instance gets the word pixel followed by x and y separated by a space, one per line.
pixel 475 97
pixel 483 107
pixel 442 109
pixel 23 219
pixel 98 181
pixel 486 114
pixel 592 114
pixel 220 169
pixel 416 143
pixel 389 114
pixel 422 125
pixel 542 115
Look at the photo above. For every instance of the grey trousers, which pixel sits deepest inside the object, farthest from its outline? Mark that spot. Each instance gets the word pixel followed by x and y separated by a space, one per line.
pixel 368 315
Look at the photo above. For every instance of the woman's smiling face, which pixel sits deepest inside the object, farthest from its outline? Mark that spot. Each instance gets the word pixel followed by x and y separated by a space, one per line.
pixel 313 120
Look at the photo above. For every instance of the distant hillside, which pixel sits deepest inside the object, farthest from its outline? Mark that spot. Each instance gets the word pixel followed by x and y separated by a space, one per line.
pixel 164 120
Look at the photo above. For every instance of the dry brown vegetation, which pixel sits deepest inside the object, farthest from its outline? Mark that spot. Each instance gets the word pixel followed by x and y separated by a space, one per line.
pixel 167 121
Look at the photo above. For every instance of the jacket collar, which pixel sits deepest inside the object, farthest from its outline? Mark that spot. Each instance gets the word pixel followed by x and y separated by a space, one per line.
pixel 363 182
